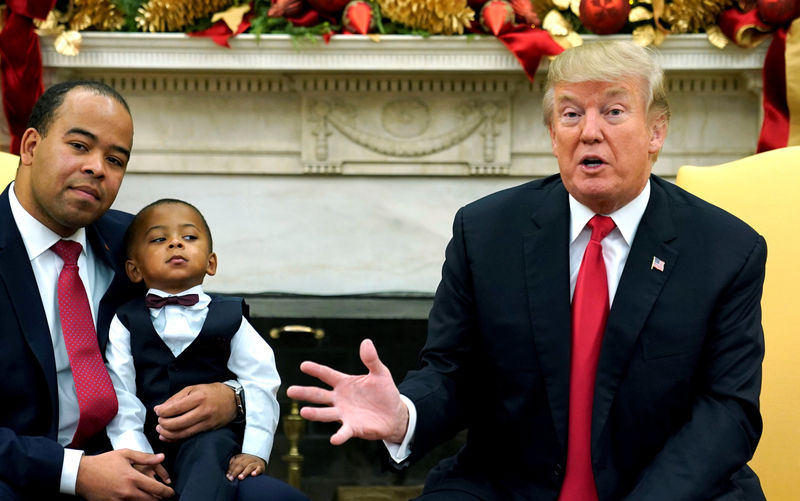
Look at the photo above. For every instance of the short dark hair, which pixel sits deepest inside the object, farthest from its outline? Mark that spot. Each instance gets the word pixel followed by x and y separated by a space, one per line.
pixel 135 227
pixel 44 111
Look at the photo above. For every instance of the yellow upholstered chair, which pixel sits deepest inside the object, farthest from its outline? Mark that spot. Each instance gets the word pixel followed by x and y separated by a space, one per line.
pixel 8 168
pixel 764 191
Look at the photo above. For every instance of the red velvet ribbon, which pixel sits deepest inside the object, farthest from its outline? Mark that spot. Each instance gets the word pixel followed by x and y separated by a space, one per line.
pixel 746 29
pixel 21 64
pixel 775 129
pixel 529 45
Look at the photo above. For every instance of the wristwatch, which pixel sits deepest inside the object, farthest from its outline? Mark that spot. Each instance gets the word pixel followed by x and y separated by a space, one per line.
pixel 238 396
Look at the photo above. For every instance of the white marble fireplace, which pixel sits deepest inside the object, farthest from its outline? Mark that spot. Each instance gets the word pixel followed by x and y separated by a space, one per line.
pixel 337 169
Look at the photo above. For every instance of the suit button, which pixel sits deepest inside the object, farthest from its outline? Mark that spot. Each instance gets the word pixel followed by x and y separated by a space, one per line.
pixel 558 470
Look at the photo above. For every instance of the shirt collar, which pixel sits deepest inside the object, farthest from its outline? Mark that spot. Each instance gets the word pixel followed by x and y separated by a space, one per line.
pixel 37 237
pixel 626 218
pixel 203 298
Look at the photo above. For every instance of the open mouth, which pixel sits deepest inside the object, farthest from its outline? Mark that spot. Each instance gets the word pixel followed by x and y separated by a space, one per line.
pixel 592 162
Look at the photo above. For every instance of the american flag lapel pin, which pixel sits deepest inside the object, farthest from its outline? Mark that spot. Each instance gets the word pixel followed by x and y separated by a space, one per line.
pixel 657 264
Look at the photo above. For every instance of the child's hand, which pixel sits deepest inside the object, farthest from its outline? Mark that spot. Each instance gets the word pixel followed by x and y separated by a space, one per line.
pixel 151 470
pixel 242 465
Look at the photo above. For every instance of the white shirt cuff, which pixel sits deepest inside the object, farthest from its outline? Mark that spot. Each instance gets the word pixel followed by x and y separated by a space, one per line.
pixel 69 471
pixel 400 452
pixel 257 442
pixel 132 439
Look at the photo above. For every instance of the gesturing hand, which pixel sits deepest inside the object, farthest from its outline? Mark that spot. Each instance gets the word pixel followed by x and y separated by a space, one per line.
pixel 368 406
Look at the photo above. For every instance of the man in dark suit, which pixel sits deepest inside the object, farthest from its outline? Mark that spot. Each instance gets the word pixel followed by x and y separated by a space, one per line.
pixel 72 161
pixel 661 402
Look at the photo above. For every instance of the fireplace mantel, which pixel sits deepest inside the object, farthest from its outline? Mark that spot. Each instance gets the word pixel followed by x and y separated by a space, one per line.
pixel 336 168
pixel 387 53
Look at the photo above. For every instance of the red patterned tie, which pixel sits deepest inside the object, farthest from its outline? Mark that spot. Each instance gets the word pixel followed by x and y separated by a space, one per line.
pixel 97 400
pixel 589 314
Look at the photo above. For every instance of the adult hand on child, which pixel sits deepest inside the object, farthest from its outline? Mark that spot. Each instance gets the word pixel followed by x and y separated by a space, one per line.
pixel 113 476
pixel 195 409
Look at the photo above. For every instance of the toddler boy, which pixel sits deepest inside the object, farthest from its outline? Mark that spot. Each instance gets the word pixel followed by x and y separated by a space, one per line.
pixel 178 336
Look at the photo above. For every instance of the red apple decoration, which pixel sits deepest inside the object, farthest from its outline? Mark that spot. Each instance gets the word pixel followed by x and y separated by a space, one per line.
pixel 604 17
pixel 777 11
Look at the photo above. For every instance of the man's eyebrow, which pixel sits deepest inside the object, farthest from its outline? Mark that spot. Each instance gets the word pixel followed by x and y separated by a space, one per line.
pixel 616 91
pixel 93 137
pixel 82 132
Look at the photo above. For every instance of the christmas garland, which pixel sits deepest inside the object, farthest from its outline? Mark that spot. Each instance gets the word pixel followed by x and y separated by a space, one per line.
pixel 648 21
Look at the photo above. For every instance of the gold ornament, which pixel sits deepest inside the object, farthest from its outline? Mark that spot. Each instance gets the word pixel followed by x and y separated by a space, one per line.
pixel 689 16
pixel 644 35
pixel 435 16
pixel 102 15
pixel 575 7
pixel 233 16
pixel 716 37
pixel 68 43
pixel 173 15
pixel 556 24
pixel 49 26
pixel 640 14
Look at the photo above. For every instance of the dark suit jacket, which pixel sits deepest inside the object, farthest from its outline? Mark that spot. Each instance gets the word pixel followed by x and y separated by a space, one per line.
pixel 676 401
pixel 30 457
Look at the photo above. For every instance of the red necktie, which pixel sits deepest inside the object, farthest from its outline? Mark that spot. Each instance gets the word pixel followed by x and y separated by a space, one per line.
pixel 589 314
pixel 97 400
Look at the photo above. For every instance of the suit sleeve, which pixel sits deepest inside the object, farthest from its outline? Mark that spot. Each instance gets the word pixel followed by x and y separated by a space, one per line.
pixel 725 424
pixel 30 464
pixel 438 388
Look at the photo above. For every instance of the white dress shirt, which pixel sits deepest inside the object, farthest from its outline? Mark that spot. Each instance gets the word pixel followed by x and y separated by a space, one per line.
pixel 616 247
pixel 96 277
pixel 251 360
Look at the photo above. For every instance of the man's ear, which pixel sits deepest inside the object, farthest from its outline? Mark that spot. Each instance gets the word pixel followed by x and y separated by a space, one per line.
pixel 132 270
pixel 211 268
pixel 30 140
pixel 658 134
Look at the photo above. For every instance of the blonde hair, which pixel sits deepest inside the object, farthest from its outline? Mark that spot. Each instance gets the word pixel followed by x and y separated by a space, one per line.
pixel 609 61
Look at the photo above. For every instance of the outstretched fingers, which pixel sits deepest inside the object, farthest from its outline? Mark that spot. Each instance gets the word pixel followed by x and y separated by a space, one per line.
pixel 342 435
pixel 324 373
pixel 322 414
pixel 369 357
pixel 310 394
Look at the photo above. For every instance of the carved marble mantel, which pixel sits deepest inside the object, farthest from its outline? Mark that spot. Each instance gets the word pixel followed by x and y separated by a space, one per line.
pixel 335 169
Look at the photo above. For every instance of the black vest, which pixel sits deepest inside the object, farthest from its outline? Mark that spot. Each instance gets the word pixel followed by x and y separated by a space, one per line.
pixel 159 374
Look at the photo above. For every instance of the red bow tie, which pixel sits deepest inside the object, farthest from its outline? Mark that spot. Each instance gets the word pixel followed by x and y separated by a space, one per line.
pixel 155 301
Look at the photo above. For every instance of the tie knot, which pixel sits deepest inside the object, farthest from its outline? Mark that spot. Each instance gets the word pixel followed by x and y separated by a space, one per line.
pixel 601 226
pixel 156 301
pixel 68 251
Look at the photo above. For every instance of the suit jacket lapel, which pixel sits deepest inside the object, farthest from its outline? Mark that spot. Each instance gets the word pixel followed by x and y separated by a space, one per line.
pixel 20 283
pixel 639 287
pixel 110 300
pixel 547 273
